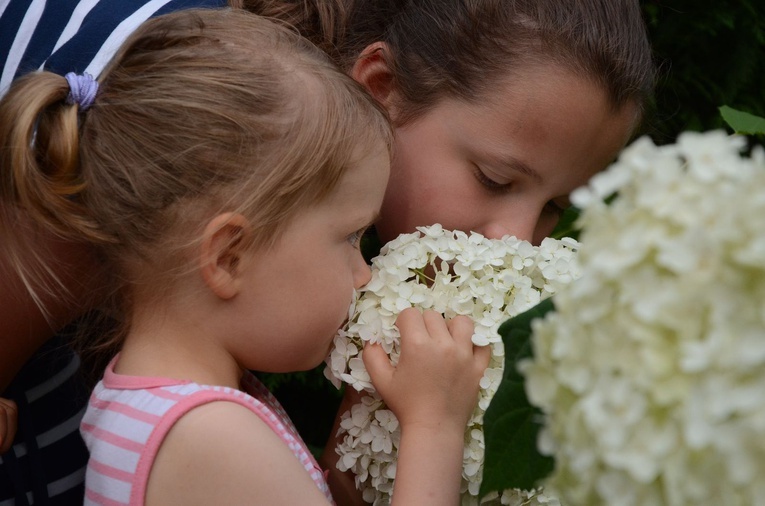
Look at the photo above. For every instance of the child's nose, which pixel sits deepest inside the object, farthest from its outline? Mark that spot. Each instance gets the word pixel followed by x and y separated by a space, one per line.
pixel 361 272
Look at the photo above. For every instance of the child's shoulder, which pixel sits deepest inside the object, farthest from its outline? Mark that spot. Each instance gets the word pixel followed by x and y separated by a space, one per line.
pixel 222 453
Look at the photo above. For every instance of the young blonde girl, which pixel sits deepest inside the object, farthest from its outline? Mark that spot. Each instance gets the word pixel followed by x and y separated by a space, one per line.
pixel 224 171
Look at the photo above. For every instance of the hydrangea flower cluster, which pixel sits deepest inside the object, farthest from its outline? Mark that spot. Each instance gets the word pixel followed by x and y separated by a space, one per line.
pixel 651 370
pixel 456 274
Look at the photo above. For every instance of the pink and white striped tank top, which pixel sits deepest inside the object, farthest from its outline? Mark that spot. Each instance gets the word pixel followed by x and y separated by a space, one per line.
pixel 128 417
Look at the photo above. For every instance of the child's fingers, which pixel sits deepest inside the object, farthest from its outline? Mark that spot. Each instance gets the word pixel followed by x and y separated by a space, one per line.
pixel 410 317
pixel 482 356
pixel 461 328
pixel 378 366
pixel 435 324
pixel 8 423
pixel 411 322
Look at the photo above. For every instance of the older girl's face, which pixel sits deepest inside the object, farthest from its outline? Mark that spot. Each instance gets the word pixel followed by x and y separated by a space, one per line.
pixel 506 164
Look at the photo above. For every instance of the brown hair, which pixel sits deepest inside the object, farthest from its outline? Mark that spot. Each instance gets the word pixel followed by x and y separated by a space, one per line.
pixel 461 48
pixel 200 111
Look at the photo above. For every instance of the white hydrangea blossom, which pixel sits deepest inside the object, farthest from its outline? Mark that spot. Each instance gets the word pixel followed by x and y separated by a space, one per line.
pixel 651 371
pixel 456 274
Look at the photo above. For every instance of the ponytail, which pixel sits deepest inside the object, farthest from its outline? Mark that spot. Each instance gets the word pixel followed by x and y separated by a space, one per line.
pixel 40 181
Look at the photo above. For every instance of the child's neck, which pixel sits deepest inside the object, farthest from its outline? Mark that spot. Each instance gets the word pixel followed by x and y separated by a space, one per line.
pixel 164 343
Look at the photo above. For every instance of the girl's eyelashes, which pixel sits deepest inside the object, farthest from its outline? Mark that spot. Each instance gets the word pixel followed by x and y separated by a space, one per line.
pixel 355 238
pixel 551 206
pixel 488 183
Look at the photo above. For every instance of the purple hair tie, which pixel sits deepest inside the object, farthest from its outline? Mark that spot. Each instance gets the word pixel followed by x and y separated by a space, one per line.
pixel 82 90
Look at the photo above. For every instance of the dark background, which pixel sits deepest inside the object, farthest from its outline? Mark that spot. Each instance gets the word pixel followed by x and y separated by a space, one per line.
pixel 710 53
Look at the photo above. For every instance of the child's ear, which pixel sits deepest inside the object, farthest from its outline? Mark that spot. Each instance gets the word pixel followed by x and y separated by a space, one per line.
pixel 224 246
pixel 372 71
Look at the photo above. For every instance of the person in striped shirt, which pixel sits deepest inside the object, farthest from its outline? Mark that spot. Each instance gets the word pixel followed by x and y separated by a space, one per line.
pixel 212 149
pixel 61 36
pixel 40 374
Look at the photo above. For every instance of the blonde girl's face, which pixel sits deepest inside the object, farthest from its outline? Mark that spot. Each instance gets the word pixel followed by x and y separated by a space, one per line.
pixel 504 165
pixel 301 289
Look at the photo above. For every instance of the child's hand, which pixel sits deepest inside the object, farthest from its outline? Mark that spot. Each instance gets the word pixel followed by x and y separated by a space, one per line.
pixel 8 423
pixel 436 379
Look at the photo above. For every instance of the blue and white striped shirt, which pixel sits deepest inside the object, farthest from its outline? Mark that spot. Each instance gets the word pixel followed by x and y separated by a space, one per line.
pixel 46 464
pixel 72 35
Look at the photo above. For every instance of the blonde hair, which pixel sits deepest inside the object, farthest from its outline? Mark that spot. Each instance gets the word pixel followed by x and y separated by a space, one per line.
pixel 200 111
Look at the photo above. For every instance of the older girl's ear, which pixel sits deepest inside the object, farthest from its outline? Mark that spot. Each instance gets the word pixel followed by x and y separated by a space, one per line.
pixel 372 71
pixel 222 253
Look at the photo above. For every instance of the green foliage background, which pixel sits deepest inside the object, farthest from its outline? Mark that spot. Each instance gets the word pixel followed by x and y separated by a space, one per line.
pixel 709 52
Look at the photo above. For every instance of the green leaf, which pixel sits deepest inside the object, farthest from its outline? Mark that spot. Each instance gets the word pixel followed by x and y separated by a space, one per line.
pixel 742 122
pixel 566 226
pixel 511 423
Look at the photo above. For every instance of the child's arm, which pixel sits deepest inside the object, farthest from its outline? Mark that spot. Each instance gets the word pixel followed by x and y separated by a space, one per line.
pixel 222 453
pixel 432 391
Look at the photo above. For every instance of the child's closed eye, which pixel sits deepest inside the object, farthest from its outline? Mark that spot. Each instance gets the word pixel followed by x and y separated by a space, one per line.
pixel 355 238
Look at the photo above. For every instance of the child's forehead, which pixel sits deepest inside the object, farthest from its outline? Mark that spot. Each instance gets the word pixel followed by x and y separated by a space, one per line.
pixel 363 183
